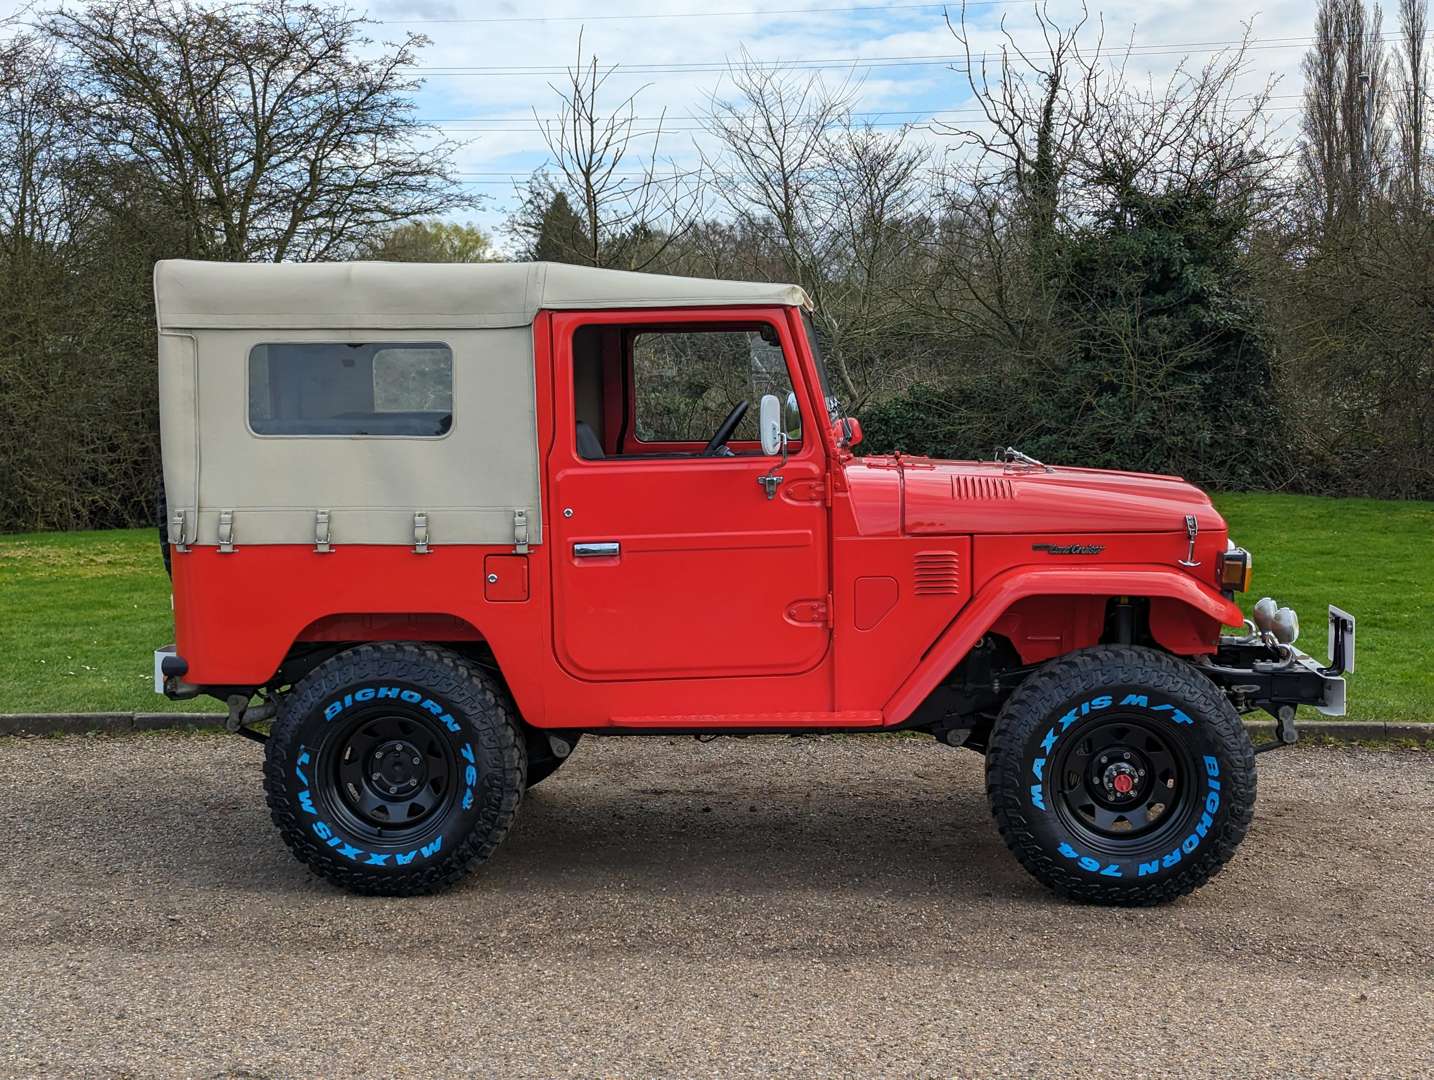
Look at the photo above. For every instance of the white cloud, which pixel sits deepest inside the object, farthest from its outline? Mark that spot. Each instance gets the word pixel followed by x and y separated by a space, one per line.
pixel 1184 26
pixel 468 103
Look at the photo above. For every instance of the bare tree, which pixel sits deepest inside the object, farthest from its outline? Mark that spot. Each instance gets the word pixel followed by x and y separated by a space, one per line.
pixel 266 125
pixel 1411 105
pixel 1344 134
pixel 1065 134
pixel 631 204
pixel 834 201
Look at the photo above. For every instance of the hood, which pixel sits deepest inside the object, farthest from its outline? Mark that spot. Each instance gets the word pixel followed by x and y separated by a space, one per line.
pixel 993 497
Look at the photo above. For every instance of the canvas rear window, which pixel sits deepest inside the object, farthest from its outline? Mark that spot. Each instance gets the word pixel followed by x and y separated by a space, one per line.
pixel 343 388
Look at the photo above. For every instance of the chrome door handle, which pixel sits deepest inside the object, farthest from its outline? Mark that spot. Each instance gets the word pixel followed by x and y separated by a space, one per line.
pixel 597 549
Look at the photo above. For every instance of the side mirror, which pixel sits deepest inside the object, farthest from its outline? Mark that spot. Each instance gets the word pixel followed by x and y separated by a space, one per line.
pixel 769 425
pixel 851 428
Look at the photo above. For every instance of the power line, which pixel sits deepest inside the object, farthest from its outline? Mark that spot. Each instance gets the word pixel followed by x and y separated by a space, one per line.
pixel 1153 48
pixel 860 62
pixel 699 14
pixel 921 114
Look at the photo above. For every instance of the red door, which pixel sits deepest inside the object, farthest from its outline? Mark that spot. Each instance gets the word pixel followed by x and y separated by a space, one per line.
pixel 667 563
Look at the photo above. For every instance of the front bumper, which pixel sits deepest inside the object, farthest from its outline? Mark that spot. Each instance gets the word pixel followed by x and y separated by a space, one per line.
pixel 1259 673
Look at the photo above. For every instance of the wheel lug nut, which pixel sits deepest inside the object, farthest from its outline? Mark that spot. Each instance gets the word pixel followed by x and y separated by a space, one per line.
pixel 417 761
pixel 1127 756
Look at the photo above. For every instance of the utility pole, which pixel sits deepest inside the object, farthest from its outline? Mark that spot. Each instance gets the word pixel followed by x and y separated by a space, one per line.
pixel 1366 85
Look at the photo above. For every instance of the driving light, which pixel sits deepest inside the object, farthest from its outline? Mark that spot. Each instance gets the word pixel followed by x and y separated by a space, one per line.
pixel 1282 622
pixel 1236 570
pixel 1286 626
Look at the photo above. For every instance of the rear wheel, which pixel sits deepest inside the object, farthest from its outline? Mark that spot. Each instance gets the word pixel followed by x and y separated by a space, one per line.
pixel 1120 775
pixel 394 769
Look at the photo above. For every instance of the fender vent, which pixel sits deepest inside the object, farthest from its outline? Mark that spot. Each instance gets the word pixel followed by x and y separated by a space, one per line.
pixel 980 488
pixel 937 573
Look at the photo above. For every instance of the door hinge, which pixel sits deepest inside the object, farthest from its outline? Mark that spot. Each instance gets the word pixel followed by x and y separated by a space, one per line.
pixel 420 533
pixel 811 612
pixel 226 532
pixel 178 529
pixel 321 532
pixel 520 532
pixel 814 492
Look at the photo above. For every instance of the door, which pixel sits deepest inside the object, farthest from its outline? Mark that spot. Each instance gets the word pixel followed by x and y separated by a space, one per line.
pixel 669 558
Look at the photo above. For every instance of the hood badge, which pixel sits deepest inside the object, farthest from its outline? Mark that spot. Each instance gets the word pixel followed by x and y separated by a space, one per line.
pixel 1192 530
pixel 1069 549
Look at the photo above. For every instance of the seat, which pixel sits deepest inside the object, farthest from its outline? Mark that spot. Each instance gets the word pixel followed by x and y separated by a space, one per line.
pixel 589 448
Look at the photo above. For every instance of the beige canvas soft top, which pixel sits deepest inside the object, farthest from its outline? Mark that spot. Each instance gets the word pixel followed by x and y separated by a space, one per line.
pixel 194 295
pixel 478 483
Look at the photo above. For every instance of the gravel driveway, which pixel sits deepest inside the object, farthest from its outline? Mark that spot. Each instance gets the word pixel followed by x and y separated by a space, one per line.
pixel 833 906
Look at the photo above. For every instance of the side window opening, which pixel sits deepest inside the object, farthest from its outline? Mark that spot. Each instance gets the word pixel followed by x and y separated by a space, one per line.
pixel 664 391
pixel 342 388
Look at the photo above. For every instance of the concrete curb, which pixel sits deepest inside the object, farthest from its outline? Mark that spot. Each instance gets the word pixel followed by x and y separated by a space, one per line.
pixel 122 723
pixel 104 723
pixel 1348 731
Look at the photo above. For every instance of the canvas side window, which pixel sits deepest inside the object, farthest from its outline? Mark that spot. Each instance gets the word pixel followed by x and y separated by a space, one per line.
pixel 341 388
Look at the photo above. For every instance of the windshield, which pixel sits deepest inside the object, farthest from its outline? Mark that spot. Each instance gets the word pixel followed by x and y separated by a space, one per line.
pixel 833 406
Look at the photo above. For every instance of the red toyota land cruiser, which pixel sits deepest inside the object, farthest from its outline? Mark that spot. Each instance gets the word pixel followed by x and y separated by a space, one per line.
pixel 437 523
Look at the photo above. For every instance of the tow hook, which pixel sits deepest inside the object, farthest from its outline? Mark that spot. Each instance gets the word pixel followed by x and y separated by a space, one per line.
pixel 1286 734
pixel 242 713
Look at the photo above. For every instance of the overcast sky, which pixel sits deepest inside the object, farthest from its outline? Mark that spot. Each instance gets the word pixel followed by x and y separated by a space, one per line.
pixel 494 109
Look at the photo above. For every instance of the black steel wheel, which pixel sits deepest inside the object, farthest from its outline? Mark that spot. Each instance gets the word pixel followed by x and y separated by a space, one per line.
pixel 1120 775
pixel 394 772
pixel 394 769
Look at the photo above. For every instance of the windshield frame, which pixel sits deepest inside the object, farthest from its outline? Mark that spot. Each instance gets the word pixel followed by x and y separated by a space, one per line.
pixel 833 406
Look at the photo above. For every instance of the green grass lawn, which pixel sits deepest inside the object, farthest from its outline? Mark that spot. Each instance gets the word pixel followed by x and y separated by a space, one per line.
pixel 81 613
pixel 1375 559
pixel 80 617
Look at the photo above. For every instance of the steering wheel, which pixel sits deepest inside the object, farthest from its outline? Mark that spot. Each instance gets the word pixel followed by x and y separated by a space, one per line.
pixel 725 429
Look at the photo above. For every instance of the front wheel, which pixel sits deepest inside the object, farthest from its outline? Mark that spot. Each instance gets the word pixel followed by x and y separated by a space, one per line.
pixel 1120 775
pixel 394 769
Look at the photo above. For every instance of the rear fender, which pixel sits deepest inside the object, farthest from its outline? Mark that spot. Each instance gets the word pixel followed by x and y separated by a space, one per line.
pixel 1180 608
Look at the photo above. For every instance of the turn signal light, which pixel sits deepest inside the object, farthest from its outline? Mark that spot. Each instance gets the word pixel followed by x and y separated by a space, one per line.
pixel 1236 570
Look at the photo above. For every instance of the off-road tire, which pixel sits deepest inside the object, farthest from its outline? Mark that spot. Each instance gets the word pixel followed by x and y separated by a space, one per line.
pixel 542 762
pixel 469 761
pixel 1084 739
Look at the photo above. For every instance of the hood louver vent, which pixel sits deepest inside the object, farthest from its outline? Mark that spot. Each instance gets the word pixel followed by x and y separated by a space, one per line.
pixel 937 573
pixel 980 488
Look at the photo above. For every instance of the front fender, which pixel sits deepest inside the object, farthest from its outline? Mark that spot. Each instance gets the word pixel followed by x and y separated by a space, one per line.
pixel 1018 583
